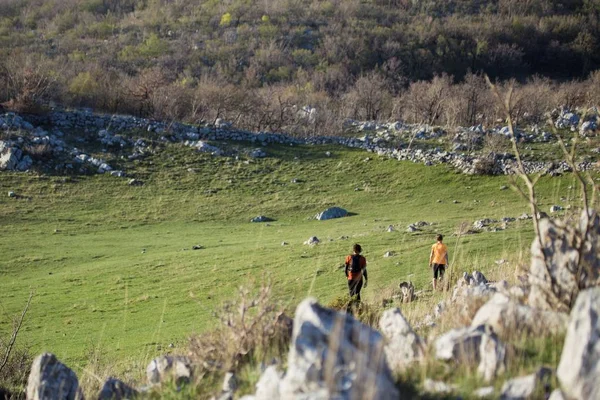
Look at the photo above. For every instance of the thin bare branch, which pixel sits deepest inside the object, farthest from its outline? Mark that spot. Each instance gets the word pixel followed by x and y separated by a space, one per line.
pixel 15 333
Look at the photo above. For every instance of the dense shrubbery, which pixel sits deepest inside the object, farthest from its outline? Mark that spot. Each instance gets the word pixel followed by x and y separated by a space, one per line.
pixel 255 63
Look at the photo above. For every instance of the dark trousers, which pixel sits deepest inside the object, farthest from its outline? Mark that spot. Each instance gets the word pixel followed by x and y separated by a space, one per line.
pixel 354 288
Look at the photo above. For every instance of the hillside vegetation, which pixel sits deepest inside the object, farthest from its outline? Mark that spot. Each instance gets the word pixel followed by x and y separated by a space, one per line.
pixel 258 63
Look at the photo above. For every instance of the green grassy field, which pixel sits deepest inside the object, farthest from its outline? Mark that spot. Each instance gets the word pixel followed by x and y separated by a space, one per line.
pixel 112 265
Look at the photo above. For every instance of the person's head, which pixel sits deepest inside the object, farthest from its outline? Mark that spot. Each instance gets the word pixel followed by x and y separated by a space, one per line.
pixel 356 248
pixel 439 238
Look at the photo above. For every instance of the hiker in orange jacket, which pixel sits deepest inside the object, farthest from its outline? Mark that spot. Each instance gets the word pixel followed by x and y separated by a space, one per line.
pixel 438 259
pixel 356 269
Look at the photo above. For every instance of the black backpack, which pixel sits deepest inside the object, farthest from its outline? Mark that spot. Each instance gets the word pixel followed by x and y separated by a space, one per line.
pixel 354 264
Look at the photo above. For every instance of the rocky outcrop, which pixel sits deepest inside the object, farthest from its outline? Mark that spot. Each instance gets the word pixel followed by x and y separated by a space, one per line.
pixel 507 317
pixel 475 345
pixel 331 213
pixel 403 346
pixel 50 379
pixel 579 366
pixel 565 259
pixel 331 356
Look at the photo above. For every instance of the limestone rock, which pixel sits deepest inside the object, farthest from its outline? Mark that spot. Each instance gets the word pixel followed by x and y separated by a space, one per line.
pixel 484 392
pixel 261 218
pixel 557 394
pixel 559 241
pixel 50 379
pixel 313 240
pixel 432 386
pixel 403 345
pixel 334 356
pixel 526 387
pixel 169 367
pixel 506 316
pixel 579 366
pixel 267 387
pixel 9 156
pixel 331 213
pixel 473 345
pixel 114 389
pixel 408 291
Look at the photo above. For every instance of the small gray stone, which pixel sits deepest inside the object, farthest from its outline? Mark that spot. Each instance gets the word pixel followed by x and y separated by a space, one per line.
pixel 169 367
pixel 12 194
pixel 524 387
pixel 114 389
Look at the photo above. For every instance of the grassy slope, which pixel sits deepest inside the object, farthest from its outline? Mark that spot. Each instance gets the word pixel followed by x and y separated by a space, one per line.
pixel 78 242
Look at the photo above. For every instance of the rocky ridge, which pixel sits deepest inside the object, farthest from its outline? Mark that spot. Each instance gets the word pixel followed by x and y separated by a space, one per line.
pixel 390 140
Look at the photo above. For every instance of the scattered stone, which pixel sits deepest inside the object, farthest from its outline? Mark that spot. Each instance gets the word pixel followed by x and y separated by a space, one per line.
pixel 313 240
pixel 261 218
pixel 411 229
pixel 51 379
pixel 526 386
pixel 391 229
pixel 455 201
pixel 197 247
pixel 403 346
pixel 164 368
pixel 284 243
pixel 473 345
pixel 556 208
pixel 501 261
pixel 524 216
pixel 230 383
pixel 334 356
pixel 432 386
pixel 331 213
pixel 484 392
pixel 114 389
pixel 135 182
pixel 328 153
pixel 258 153
pixel 560 258
pixel 12 194
pixel 579 366
pixel 389 254
pixel 503 187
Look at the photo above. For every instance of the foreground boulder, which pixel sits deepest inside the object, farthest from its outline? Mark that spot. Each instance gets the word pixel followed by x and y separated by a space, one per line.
pixel 331 213
pixel 506 316
pixel 555 261
pixel 333 356
pixel 50 379
pixel 579 367
pixel 473 345
pixel 403 344
pixel 534 386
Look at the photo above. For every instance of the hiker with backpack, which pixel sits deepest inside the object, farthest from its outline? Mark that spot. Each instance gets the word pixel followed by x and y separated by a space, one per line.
pixel 355 269
pixel 438 259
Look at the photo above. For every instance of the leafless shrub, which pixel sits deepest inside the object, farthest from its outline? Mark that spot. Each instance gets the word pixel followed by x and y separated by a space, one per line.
pixel 142 87
pixel 39 152
pixel 369 99
pixel 533 100
pixel 424 101
pixel 249 327
pixel 29 81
